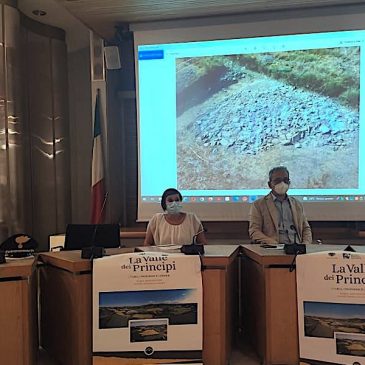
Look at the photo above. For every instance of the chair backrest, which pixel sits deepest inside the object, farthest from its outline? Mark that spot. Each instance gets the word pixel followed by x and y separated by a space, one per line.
pixel 56 241
pixel 79 236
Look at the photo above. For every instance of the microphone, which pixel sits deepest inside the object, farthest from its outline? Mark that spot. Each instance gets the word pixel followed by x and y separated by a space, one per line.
pixel 194 248
pixel 294 248
pixel 293 228
pixel 92 251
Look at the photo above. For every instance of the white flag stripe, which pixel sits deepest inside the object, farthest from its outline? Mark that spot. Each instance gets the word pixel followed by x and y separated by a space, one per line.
pixel 97 164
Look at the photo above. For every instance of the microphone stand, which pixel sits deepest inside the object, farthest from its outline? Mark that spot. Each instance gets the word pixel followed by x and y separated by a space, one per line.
pixel 298 248
pixel 292 265
pixel 194 248
pixel 197 234
pixel 95 252
pixel 2 257
pixel 199 250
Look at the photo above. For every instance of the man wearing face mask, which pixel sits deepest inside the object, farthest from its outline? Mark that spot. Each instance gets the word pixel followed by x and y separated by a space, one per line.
pixel 173 226
pixel 277 217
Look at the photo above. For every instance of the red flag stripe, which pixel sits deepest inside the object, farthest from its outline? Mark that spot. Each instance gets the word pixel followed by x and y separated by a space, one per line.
pixel 98 196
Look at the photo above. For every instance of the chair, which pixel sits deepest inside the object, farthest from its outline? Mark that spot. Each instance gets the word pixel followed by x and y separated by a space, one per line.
pixel 56 242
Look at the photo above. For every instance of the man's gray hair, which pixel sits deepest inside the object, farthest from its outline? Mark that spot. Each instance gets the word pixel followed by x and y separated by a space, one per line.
pixel 277 168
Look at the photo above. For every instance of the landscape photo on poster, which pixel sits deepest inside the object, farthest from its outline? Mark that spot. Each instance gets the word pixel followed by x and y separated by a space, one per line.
pixel 294 106
pixel 117 309
pixel 148 330
pixel 350 344
pixel 323 319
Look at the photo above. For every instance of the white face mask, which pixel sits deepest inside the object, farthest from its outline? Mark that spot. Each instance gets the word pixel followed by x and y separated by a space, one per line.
pixel 281 188
pixel 174 207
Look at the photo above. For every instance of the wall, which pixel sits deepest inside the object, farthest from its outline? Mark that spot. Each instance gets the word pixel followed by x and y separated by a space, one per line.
pixel 80 132
pixel 46 119
pixel 34 143
pixel 12 148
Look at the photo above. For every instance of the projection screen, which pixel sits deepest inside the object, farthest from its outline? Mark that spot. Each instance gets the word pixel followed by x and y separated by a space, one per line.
pixel 219 106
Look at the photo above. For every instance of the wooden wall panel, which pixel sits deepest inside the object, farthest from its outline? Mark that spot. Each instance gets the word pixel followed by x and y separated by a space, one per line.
pixel 47 131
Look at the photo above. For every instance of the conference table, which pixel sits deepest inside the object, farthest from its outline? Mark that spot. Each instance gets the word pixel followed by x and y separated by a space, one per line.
pixel 18 312
pixel 66 304
pixel 270 301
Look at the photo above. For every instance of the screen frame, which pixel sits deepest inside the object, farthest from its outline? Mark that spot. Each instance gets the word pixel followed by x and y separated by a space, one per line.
pixel 258 25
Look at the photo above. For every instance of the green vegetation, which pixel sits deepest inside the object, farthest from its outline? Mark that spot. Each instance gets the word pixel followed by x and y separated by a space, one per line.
pixel 208 63
pixel 330 72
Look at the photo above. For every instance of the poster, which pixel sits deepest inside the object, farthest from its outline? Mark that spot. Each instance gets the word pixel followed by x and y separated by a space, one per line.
pixel 147 304
pixel 331 307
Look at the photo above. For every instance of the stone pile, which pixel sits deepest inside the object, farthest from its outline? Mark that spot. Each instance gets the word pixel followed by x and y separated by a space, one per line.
pixel 266 112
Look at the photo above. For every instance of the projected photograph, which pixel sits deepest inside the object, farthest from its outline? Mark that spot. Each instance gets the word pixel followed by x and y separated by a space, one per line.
pixel 240 115
pixel 151 330
pixel 117 309
pixel 324 319
pixel 350 344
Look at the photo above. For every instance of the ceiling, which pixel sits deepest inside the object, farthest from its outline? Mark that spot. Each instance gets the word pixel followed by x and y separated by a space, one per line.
pixel 103 15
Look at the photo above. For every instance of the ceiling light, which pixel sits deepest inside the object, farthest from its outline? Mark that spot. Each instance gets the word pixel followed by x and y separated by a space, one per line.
pixel 39 12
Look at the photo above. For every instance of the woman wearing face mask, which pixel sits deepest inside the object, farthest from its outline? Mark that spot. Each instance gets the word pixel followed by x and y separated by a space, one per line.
pixel 173 226
pixel 277 217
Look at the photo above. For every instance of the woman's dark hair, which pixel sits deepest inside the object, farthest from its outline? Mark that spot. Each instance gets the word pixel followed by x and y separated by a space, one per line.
pixel 166 193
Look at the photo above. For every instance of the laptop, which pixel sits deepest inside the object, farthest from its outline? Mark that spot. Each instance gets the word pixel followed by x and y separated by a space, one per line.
pixel 79 236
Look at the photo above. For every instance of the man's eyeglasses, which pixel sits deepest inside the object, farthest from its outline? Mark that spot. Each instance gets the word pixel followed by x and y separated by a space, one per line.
pixel 279 180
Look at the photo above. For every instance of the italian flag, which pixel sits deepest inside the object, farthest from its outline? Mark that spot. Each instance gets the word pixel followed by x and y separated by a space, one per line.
pixel 97 170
